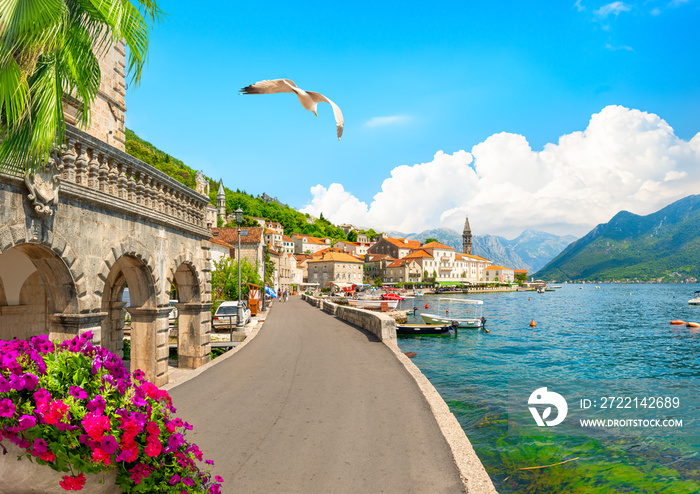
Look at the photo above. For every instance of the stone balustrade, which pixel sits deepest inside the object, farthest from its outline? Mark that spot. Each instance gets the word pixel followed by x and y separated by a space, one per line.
pixel 89 169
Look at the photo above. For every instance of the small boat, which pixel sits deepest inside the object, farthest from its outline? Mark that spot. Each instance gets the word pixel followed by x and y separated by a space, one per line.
pixel 696 298
pixel 418 329
pixel 541 289
pixel 678 322
pixel 374 304
pixel 473 320
pixel 392 296
pixel 692 325
pixel 555 286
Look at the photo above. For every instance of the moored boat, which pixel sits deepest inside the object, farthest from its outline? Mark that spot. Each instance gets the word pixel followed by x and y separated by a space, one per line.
pixel 473 320
pixel 374 304
pixel 696 298
pixel 418 329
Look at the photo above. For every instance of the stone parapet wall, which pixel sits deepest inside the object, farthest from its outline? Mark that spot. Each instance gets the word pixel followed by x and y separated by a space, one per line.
pixel 329 307
pixel 381 325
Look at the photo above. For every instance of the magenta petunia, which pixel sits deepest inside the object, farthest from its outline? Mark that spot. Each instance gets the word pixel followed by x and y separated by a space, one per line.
pixel 78 392
pixel 7 408
pixel 27 422
pixel 40 446
pixel 109 444
pixel 175 479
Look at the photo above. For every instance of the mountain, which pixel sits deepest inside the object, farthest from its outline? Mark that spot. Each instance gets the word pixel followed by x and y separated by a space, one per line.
pixel 530 250
pixel 662 246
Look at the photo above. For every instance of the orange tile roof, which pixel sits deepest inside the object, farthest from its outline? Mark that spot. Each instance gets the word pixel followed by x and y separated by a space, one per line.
pixel 310 239
pixel 325 251
pixel 230 235
pixel 377 257
pixel 336 257
pixel 436 245
pixel 404 243
pixel 418 254
pixel 520 271
pixel 478 258
pixel 218 241
pixel 287 239
pixel 496 268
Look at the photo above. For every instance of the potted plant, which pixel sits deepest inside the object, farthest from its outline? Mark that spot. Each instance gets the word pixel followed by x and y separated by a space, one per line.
pixel 72 407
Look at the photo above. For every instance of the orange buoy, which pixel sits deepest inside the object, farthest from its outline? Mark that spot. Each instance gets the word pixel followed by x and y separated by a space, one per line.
pixel 486 330
pixel 426 306
pixel 532 323
pixel 447 311
pixel 677 321
pixel 692 325
pixel 528 299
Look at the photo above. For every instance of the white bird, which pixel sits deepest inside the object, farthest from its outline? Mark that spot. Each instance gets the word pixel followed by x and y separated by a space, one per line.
pixel 308 99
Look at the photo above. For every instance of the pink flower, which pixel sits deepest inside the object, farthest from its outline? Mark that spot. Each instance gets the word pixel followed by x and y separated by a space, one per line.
pixel 153 448
pixel 40 446
pixel 95 425
pixel 7 408
pixel 27 422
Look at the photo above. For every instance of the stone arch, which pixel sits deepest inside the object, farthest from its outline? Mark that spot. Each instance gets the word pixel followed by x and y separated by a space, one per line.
pixel 14 235
pixel 183 273
pixel 130 248
pixel 37 292
pixel 193 316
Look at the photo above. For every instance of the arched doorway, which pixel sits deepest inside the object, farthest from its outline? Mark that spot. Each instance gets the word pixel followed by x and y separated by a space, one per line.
pixel 38 295
pixel 193 318
pixel 149 324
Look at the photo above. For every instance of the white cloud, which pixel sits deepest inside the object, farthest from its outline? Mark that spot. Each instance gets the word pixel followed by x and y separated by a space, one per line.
pixel 612 8
pixel 610 47
pixel 579 7
pixel 384 121
pixel 624 160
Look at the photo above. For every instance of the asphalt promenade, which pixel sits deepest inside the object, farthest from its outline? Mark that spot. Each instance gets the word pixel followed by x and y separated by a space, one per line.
pixel 315 405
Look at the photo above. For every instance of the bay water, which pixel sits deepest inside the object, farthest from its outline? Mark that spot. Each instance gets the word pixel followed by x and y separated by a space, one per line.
pixel 583 332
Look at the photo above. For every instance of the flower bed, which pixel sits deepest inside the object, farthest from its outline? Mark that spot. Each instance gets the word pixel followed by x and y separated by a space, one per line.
pixel 73 407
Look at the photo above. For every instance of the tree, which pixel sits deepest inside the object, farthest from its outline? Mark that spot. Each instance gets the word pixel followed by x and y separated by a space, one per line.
pixel 428 240
pixel 50 48
pixel 352 236
pixel 224 279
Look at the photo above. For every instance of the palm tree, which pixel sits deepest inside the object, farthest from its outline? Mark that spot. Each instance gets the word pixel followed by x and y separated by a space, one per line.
pixel 49 48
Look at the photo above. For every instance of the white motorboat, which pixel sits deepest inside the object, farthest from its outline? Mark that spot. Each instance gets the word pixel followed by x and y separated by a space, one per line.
pixel 474 319
pixel 696 299
pixel 374 304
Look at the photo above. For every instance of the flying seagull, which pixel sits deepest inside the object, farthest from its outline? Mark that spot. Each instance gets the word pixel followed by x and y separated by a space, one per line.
pixel 308 99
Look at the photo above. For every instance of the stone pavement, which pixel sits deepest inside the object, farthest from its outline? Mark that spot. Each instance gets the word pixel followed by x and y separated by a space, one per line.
pixel 314 405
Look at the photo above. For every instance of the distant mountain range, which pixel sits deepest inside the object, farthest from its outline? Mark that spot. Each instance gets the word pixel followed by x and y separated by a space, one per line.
pixel 531 250
pixel 662 246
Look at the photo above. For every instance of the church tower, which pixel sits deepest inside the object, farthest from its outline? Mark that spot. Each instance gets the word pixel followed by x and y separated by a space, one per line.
pixel 467 237
pixel 221 201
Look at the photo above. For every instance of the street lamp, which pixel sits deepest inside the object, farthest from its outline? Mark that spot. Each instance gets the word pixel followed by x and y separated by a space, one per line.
pixel 239 311
pixel 264 273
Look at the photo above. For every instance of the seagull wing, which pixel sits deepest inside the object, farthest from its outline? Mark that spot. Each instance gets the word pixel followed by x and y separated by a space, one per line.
pixel 339 122
pixel 270 86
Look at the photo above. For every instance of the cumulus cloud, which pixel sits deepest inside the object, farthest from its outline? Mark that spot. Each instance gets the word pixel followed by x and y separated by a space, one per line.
pixel 624 160
pixel 613 8
pixel 384 121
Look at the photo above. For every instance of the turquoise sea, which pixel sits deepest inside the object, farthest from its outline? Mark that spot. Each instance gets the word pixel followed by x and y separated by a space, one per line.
pixel 613 332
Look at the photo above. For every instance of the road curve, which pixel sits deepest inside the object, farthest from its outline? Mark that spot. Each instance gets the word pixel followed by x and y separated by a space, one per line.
pixel 315 405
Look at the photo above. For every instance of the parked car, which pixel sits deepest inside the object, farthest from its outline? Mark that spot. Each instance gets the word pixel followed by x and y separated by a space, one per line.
pixel 172 317
pixel 227 314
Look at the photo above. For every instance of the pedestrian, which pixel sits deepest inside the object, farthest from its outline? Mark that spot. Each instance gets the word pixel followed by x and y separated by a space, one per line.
pixel 279 294
pixel 286 295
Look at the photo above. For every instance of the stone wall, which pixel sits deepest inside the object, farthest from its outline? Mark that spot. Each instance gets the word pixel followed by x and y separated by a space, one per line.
pixel 75 235
pixel 381 325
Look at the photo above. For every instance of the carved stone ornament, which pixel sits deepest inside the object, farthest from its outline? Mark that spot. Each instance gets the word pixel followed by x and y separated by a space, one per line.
pixel 43 186
pixel 201 184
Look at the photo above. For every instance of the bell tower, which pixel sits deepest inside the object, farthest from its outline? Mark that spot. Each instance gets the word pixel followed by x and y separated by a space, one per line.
pixel 221 202
pixel 467 237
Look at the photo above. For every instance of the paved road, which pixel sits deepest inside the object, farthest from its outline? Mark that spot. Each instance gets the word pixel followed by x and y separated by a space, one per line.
pixel 314 405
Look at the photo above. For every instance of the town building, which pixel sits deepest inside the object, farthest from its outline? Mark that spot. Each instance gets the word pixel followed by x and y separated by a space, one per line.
pixel 498 274
pixel 402 271
pixel 355 248
pixel 301 264
pixel 394 247
pixel 220 250
pixel 306 244
pixel 335 267
pixel 467 237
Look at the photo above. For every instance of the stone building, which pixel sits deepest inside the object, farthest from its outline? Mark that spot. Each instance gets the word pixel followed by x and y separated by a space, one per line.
pixel 402 271
pixel 94 221
pixel 334 266
pixel 109 107
pixel 498 274
pixel 394 247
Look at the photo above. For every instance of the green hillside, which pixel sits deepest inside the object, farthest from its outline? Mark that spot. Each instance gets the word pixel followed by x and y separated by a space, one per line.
pixel 663 246
pixel 292 220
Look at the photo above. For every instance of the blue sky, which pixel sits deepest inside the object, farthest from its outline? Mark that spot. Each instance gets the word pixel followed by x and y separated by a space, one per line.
pixel 439 99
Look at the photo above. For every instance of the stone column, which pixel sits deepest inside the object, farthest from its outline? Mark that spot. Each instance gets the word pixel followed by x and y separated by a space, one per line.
pixel 194 335
pixel 66 326
pixel 149 342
